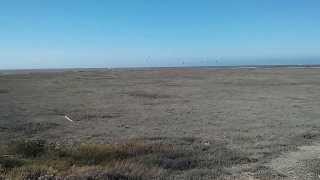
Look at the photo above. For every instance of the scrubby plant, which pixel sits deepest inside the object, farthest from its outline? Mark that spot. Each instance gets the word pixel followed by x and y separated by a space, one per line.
pixel 28 148
pixel 4 91
pixel 7 162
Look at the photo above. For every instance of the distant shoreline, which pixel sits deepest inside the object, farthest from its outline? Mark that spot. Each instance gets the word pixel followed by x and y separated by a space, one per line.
pixel 58 70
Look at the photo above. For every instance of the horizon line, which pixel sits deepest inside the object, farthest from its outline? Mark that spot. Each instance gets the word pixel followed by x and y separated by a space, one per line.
pixel 161 67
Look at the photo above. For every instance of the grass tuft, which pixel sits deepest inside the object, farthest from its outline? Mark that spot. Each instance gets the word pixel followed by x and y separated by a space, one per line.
pixel 148 95
pixel 28 148
pixel 30 172
pixel 8 162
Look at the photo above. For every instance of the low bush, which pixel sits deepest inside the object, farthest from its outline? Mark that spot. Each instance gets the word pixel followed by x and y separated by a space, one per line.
pixel 4 91
pixel 28 148
pixel 91 154
pixel 7 162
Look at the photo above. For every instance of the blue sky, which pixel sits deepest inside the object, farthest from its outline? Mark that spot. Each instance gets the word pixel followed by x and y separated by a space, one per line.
pixel 122 33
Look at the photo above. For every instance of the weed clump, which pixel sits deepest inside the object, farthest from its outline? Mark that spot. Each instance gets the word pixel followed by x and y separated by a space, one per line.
pixel 35 171
pixel 7 162
pixel 28 148
pixel 148 95
pixel 4 91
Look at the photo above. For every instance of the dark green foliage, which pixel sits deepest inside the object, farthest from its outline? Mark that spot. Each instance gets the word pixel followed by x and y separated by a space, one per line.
pixel 174 160
pixel 4 91
pixel 10 162
pixel 28 148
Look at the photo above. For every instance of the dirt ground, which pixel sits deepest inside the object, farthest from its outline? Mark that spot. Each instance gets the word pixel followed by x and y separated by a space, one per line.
pixel 271 115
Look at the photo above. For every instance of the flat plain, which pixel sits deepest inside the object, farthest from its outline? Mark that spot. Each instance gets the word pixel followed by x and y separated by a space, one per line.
pixel 252 123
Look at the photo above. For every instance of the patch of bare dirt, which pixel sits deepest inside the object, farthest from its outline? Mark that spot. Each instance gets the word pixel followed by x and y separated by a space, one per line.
pixel 294 165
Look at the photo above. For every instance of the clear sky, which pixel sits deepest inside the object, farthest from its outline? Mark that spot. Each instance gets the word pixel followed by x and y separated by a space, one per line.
pixel 113 33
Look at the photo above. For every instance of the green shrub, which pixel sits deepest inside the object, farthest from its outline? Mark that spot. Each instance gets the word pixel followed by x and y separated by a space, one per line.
pixel 4 91
pixel 28 148
pixel 89 154
pixel 172 160
pixel 10 162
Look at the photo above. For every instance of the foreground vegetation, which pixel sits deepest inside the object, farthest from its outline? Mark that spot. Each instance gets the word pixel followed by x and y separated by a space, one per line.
pixel 37 159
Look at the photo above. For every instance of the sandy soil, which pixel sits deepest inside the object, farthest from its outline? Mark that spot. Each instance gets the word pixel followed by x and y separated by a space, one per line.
pixel 294 165
pixel 265 113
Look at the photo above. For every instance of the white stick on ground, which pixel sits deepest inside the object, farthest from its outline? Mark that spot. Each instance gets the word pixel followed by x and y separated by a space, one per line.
pixel 67 118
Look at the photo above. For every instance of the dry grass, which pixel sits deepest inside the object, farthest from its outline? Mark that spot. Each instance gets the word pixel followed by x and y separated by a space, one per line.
pixel 148 95
pixel 36 159
pixel 115 170
pixel 34 171
pixel 314 168
pixel 137 160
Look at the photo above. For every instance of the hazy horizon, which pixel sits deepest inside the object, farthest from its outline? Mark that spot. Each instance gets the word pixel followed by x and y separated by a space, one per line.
pixel 311 62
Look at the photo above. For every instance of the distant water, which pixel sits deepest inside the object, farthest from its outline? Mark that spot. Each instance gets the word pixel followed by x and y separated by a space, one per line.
pixel 27 71
pixel 231 67
pixel 32 71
